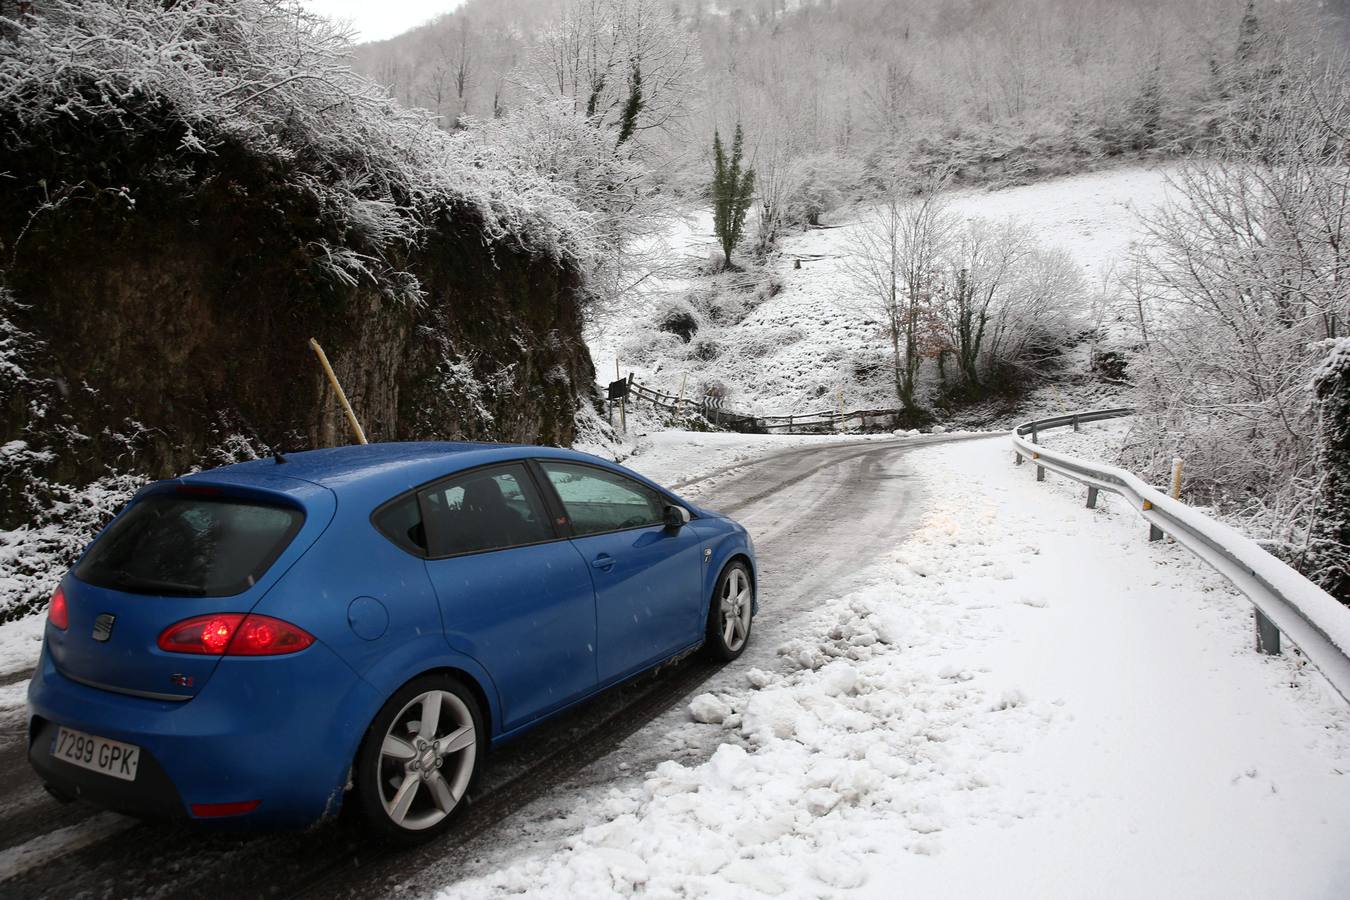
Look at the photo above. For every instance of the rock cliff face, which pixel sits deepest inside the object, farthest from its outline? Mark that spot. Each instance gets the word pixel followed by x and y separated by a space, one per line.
pixel 143 337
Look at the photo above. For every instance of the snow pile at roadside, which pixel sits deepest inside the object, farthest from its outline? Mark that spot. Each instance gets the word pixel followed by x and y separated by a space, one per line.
pixel 870 741
pixel 34 557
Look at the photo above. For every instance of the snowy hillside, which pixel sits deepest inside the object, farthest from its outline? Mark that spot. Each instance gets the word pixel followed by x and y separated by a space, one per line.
pixel 797 349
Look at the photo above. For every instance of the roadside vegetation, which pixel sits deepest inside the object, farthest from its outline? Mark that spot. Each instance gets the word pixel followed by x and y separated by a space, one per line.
pixel 1242 311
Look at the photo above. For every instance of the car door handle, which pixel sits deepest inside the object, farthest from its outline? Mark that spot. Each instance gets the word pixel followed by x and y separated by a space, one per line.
pixel 603 561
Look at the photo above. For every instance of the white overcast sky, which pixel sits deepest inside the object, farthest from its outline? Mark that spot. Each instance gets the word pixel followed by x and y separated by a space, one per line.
pixel 375 20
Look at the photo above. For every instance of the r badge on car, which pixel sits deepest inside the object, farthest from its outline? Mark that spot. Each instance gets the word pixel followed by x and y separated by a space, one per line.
pixel 103 626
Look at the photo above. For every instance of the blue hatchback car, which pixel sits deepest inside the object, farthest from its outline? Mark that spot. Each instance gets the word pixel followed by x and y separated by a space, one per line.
pixel 260 643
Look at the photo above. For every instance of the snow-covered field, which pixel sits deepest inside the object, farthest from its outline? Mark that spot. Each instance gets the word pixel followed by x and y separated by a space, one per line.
pixel 1024 699
pixel 794 352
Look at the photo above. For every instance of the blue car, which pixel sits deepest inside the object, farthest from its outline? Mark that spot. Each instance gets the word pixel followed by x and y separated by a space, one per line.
pixel 257 645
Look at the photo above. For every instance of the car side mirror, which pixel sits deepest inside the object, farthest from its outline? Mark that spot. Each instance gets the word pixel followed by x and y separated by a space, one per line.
pixel 676 517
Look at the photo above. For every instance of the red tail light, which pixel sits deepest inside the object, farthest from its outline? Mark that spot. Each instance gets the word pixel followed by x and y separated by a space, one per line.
pixel 215 810
pixel 57 613
pixel 234 634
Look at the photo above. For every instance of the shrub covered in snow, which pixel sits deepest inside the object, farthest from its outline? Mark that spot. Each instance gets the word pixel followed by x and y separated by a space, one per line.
pixel 1242 283
pixel 266 79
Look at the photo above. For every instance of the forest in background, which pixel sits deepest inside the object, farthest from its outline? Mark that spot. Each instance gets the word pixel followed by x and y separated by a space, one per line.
pixel 835 95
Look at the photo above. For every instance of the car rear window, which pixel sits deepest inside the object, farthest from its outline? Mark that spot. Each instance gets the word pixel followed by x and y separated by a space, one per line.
pixel 195 546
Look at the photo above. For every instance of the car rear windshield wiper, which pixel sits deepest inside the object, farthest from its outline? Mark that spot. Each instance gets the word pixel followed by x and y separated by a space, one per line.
pixel 125 581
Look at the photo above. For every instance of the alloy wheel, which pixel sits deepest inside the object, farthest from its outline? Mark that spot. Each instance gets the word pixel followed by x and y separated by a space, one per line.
pixel 426 760
pixel 735 605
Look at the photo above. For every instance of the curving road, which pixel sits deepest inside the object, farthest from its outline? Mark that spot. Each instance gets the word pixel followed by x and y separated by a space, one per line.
pixel 816 513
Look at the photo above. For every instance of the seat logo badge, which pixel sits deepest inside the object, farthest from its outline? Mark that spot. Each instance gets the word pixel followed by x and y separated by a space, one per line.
pixel 103 626
pixel 707 554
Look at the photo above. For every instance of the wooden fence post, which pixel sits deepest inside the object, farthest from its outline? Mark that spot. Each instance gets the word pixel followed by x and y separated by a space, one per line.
pixel 1154 532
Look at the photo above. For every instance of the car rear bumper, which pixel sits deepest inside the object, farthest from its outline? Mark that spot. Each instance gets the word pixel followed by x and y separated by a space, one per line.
pixel 279 730
pixel 151 795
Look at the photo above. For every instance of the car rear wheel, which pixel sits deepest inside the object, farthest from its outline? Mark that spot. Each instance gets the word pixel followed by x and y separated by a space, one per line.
pixel 729 614
pixel 419 758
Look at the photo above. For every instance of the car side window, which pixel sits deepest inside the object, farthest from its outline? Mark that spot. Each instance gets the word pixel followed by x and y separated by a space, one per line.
pixel 401 522
pixel 597 500
pixel 484 509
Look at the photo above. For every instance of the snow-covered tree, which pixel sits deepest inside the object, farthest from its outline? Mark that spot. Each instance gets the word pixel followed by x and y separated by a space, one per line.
pixel 1245 276
pixel 893 270
pixel 624 65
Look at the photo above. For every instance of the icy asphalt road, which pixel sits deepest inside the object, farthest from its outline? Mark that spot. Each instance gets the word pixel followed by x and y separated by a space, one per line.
pixel 816 514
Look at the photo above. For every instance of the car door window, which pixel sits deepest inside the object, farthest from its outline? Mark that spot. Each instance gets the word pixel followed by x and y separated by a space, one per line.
pixel 597 500
pixel 485 509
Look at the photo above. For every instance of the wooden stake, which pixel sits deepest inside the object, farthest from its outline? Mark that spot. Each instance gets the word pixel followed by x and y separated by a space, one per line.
pixel 680 397
pixel 1176 478
pixel 623 401
pixel 337 389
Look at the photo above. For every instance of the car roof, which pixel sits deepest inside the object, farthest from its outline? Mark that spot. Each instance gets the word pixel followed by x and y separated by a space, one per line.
pixel 379 470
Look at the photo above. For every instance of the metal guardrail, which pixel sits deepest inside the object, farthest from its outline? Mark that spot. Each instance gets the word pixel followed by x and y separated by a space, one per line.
pixel 1284 601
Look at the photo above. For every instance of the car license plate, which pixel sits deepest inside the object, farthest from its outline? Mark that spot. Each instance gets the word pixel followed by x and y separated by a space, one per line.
pixel 98 754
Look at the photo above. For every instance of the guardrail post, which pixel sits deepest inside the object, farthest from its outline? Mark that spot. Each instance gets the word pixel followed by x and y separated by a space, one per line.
pixel 1035 434
pixel 1075 423
pixel 1154 532
pixel 1092 497
pixel 1040 469
pixel 1267 635
pixel 1017 460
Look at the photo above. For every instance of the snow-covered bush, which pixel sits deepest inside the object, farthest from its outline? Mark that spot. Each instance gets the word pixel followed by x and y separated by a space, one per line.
pixel 1327 555
pixel 650 348
pixel 675 315
pixel 824 181
pixel 984 300
pixel 269 80
pixel 726 298
pixel 1242 283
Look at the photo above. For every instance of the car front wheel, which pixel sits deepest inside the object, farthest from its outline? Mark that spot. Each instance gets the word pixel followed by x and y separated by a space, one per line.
pixel 419 758
pixel 729 613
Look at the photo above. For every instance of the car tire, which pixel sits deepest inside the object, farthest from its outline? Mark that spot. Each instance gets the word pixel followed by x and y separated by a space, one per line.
pixel 396 750
pixel 730 613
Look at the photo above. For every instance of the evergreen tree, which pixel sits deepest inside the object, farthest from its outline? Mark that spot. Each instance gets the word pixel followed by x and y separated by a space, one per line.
pixel 1249 36
pixel 633 106
pixel 732 191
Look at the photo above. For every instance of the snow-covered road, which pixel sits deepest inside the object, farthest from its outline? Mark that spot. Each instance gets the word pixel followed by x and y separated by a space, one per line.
pixel 805 500
pixel 1019 697
pixel 961 683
